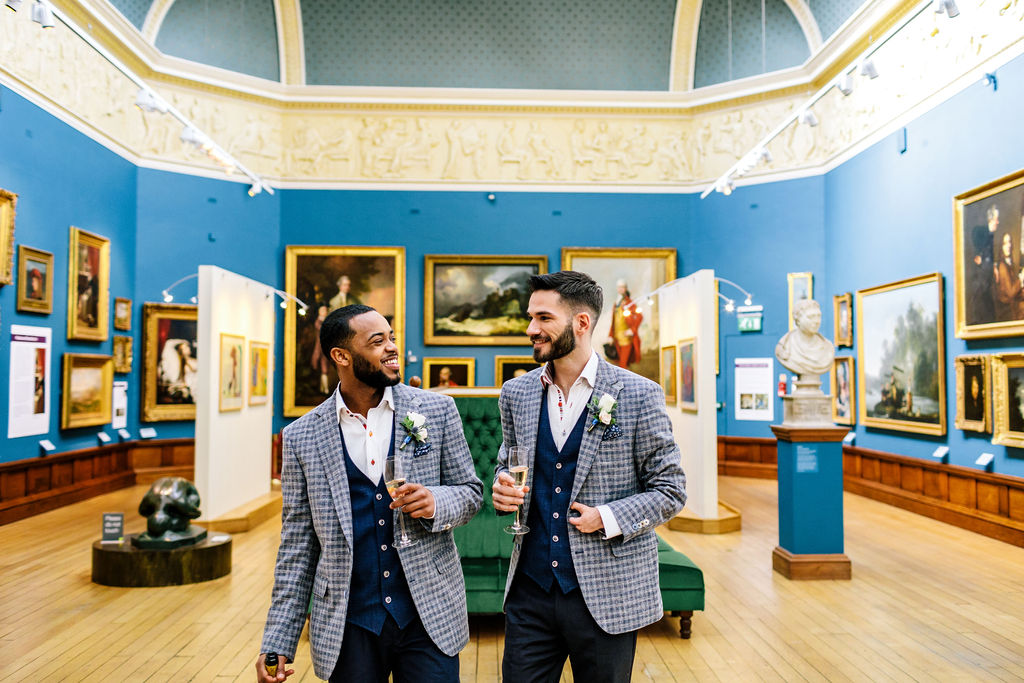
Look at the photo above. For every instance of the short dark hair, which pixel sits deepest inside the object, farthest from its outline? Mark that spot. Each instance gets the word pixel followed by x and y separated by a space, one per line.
pixel 335 330
pixel 576 289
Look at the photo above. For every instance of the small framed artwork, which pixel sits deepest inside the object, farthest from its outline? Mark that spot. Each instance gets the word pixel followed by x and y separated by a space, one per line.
pixel 259 373
pixel 510 367
pixel 122 313
pixel 122 354
pixel 88 387
pixel 973 393
pixel 232 352
pixel 842 319
pixel 688 375
pixel 88 286
pixel 843 401
pixel 8 200
pixel 1007 404
pixel 35 280
pixel 444 373
pixel 170 364
pixel 668 373
pixel 801 286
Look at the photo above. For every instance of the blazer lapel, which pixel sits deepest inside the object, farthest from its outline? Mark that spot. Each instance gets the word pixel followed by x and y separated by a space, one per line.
pixel 406 401
pixel 328 439
pixel 604 384
pixel 527 415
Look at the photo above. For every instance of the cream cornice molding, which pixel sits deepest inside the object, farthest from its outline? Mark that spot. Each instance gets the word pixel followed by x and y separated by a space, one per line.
pixel 291 47
pixel 684 44
pixel 155 19
pixel 808 24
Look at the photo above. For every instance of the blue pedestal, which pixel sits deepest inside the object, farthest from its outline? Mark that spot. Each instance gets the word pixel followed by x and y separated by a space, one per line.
pixel 810 477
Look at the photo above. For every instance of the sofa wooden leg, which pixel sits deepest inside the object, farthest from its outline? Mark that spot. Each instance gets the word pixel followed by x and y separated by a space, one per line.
pixel 685 623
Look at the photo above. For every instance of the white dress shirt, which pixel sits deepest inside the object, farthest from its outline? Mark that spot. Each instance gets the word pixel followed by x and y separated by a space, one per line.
pixel 563 413
pixel 368 440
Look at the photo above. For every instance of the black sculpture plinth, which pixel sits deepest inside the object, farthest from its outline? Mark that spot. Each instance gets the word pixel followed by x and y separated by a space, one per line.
pixel 128 566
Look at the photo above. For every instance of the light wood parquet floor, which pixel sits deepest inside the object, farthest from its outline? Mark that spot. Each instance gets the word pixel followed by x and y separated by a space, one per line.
pixel 928 602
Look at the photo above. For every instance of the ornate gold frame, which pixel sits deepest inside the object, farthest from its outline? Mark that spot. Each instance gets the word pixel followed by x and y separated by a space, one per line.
pixel 223 404
pixel 24 303
pixel 75 331
pixel 292 253
pixel 432 260
pixel 1008 328
pixel 468 362
pixel 124 323
pixel 687 406
pixel 126 354
pixel 790 279
pixel 834 379
pixel 671 394
pixel 501 361
pixel 1001 433
pixel 103 416
pixel 254 399
pixel 892 423
pixel 151 314
pixel 961 422
pixel 8 203
pixel 667 253
pixel 837 301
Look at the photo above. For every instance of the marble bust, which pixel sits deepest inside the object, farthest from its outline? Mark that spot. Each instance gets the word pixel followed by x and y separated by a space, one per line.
pixel 803 349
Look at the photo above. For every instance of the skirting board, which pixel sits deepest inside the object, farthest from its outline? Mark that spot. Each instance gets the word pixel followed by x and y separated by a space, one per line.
pixel 246 517
pixel 834 566
pixel 729 519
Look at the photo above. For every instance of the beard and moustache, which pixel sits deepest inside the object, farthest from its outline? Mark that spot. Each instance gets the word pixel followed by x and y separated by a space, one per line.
pixel 372 376
pixel 561 346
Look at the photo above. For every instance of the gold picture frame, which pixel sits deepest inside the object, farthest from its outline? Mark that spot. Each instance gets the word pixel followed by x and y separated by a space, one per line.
pixel 973 393
pixel 260 385
pixel 87 390
pixel 311 274
pixel 889 386
pixel 88 286
pixel 122 313
pixel 509 367
pixel 461 372
pixel 843 379
pixel 170 361
pixel 8 204
pixel 123 354
pixel 687 374
pixel 799 286
pixel 669 376
pixel 457 288
pixel 231 373
pixel 842 319
pixel 35 280
pixel 987 294
pixel 1007 428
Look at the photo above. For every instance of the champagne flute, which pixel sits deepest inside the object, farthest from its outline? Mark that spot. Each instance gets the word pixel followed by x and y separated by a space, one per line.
pixel 394 477
pixel 519 468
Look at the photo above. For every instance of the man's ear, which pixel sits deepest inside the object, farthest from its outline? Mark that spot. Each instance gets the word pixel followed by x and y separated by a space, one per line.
pixel 341 356
pixel 584 322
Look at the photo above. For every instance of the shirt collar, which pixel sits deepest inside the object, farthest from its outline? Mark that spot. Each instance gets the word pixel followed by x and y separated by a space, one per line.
pixel 339 403
pixel 589 374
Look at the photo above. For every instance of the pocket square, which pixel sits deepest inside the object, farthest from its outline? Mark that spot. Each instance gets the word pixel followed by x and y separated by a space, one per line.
pixel 613 432
pixel 421 449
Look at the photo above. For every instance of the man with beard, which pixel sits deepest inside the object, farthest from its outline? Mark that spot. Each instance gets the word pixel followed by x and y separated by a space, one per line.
pixel 377 610
pixel 602 459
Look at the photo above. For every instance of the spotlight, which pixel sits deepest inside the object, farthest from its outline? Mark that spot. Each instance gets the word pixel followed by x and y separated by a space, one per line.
pixel 302 310
pixel 727 188
pixel 947 6
pixel 255 189
pixel 167 296
pixel 764 155
pixel 42 14
pixel 650 301
pixel 808 117
pixel 867 68
pixel 845 83
pixel 147 100
pixel 748 301
pixel 194 300
pixel 14 4
pixel 284 303
pixel 191 136
pixel 730 306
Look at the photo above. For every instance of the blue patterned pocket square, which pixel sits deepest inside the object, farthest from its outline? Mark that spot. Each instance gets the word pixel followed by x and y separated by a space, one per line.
pixel 613 432
pixel 421 449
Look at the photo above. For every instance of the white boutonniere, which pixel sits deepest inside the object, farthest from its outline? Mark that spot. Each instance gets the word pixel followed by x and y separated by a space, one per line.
pixel 602 410
pixel 415 426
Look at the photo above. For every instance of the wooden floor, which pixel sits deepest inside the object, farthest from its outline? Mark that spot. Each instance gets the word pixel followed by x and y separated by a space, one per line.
pixel 928 602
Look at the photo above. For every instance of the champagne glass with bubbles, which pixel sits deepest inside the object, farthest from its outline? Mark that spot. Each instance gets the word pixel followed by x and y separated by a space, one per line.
pixel 519 468
pixel 394 477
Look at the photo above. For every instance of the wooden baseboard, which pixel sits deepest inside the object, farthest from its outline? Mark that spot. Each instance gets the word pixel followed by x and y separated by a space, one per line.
pixel 27 506
pixel 752 470
pixel 246 517
pixel 828 567
pixel 729 519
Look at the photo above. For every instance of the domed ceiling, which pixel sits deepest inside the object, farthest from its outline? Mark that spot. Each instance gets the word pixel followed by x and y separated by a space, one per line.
pixel 608 45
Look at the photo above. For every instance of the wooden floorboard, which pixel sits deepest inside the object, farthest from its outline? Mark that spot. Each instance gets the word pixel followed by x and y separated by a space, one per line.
pixel 928 602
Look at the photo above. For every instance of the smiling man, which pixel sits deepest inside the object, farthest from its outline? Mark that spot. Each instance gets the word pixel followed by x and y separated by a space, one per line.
pixel 377 610
pixel 604 473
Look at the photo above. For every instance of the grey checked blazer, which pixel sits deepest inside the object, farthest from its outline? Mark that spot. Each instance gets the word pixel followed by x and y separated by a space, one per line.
pixel 637 475
pixel 315 554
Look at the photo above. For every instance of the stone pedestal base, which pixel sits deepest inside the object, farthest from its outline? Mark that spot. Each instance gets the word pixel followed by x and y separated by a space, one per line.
pixel 835 566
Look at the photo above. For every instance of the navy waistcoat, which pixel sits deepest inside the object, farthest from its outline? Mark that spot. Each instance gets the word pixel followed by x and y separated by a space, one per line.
pixel 378 585
pixel 546 557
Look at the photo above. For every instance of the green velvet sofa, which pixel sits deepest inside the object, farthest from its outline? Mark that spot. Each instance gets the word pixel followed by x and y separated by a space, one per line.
pixel 485 548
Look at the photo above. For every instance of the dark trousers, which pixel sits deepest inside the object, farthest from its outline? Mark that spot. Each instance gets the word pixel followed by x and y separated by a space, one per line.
pixel 408 653
pixel 543 628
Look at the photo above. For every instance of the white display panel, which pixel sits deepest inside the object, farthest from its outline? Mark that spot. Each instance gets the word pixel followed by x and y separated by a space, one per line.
pixel 30 392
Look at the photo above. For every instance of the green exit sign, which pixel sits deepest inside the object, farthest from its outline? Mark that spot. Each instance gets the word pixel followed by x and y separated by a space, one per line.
pixel 748 318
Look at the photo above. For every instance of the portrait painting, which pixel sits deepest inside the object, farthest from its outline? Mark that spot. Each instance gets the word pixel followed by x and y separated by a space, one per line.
pixel 510 367
pixel 8 202
pixel 988 259
pixel 973 393
pixel 800 286
pixel 668 373
pixel 842 319
pixel 627 332
pixel 88 386
pixel 170 362
pixel 446 373
pixel 259 373
pixel 231 372
pixel 328 278
pixel 1008 399
pixel 478 300
pixel 688 375
pixel 842 391
pixel 122 354
pixel 900 359
pixel 88 286
pixel 39 397
pixel 35 280
pixel 122 313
